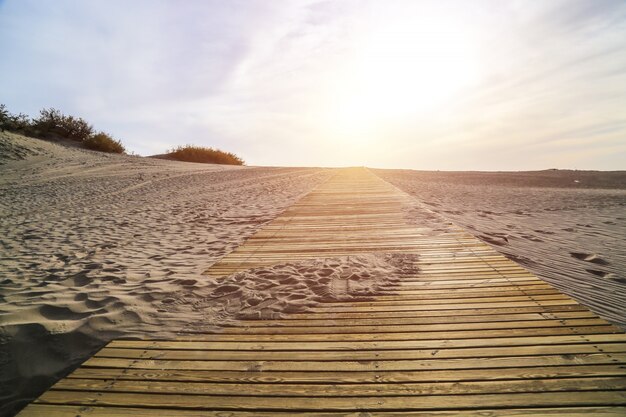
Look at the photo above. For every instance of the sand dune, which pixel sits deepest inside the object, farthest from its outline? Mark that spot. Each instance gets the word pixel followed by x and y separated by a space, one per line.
pixel 96 246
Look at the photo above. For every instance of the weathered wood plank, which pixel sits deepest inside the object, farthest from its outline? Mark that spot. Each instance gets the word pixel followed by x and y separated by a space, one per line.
pixel 45 410
pixel 359 366
pixel 364 355
pixel 418 306
pixel 439 343
pixel 410 300
pixel 424 319
pixel 345 377
pixel 414 328
pixel 437 335
pixel 310 403
pixel 358 390
pixel 418 313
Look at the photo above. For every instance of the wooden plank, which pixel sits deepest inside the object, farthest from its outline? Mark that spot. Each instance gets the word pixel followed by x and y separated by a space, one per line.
pixel 414 328
pixel 419 313
pixel 346 377
pixel 448 282
pixel 359 366
pixel 440 343
pixel 410 300
pixel 468 283
pixel 365 355
pixel 357 390
pixel 309 403
pixel 434 335
pixel 46 410
pixel 434 294
pixel 398 321
pixel 398 290
pixel 430 307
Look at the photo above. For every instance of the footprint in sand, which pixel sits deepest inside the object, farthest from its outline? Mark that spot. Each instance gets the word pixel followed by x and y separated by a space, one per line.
pixel 225 290
pixel 498 240
pixel 80 279
pixel 615 278
pixel 52 312
pixel 588 257
pixel 325 272
pixel 601 274
pixel 253 301
pixel 186 282
pixel 523 260
pixel 532 238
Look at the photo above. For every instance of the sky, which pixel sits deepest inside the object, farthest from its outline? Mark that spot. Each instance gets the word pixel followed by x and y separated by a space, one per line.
pixel 433 85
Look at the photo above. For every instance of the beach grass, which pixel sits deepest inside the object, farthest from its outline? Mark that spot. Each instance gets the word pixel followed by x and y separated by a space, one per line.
pixel 192 153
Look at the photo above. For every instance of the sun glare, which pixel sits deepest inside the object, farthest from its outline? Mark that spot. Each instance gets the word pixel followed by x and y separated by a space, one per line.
pixel 402 71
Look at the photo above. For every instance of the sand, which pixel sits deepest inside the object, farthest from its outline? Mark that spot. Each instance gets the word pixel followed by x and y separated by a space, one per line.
pixel 567 227
pixel 270 292
pixel 97 246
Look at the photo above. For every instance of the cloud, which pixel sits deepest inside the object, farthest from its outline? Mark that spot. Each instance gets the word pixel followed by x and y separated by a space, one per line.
pixel 264 79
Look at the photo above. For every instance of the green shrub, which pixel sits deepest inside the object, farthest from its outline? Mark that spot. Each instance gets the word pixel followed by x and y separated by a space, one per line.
pixel 49 120
pixel 76 128
pixel 20 123
pixel 14 122
pixel 52 121
pixel 103 142
pixel 4 117
pixel 191 153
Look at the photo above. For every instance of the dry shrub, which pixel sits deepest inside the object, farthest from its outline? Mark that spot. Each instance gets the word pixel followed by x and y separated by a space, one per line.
pixel 192 153
pixel 52 125
pixel 19 123
pixel 52 121
pixel 104 143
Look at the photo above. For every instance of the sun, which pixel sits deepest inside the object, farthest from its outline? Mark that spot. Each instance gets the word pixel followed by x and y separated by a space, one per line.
pixel 404 70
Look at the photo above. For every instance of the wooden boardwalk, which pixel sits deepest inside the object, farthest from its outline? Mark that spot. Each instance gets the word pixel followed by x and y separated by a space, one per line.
pixel 471 334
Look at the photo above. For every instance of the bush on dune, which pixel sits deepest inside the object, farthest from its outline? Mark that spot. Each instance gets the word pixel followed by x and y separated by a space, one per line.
pixel 191 153
pixel 52 121
pixel 52 124
pixel 19 123
pixel 103 142
pixel 4 118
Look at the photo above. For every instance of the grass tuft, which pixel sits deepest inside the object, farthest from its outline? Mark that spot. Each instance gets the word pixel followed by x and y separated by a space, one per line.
pixel 192 153
pixel 103 142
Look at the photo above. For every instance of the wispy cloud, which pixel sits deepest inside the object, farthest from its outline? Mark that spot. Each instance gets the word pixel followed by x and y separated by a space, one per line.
pixel 268 80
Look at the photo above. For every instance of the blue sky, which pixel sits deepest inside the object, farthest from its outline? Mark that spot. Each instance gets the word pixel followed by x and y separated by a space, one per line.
pixel 454 85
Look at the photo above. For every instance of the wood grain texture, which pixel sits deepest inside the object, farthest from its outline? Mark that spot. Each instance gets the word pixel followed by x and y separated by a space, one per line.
pixel 45 410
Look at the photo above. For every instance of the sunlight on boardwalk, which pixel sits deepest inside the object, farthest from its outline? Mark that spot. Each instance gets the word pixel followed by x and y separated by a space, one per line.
pixel 469 333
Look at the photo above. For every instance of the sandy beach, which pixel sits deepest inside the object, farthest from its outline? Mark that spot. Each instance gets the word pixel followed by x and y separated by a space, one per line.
pixel 567 227
pixel 313 208
pixel 97 247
